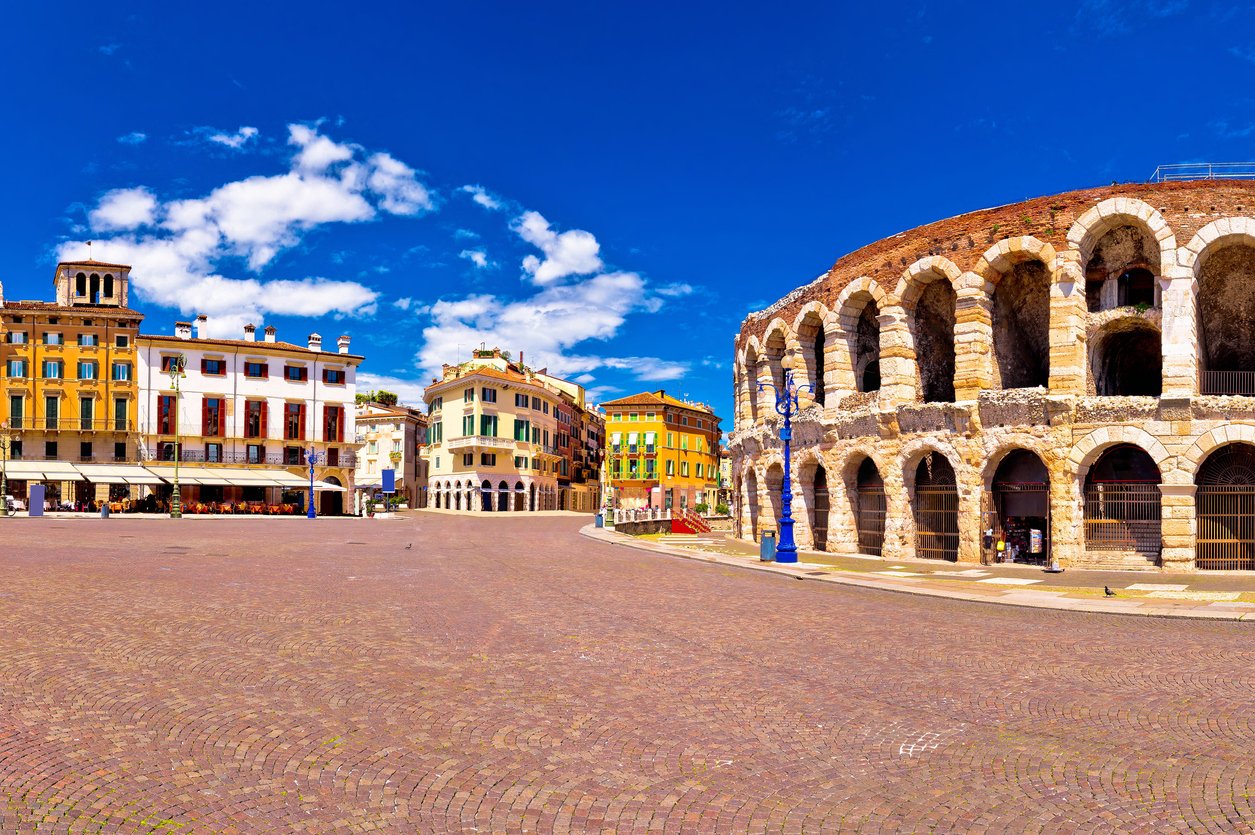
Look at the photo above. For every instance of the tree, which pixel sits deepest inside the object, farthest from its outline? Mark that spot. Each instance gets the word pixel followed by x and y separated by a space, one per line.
pixel 385 398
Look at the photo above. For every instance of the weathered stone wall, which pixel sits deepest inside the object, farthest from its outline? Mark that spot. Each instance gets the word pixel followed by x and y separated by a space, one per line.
pixel 1190 236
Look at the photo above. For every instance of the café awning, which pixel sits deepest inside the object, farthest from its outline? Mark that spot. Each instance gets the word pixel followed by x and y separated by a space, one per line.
pixel 117 474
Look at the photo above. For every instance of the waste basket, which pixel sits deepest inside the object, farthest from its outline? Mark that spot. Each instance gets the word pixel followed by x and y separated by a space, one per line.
pixel 104 510
pixel 767 546
pixel 601 520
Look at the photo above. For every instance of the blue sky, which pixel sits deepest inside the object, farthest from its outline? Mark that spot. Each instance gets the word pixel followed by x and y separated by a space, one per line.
pixel 608 188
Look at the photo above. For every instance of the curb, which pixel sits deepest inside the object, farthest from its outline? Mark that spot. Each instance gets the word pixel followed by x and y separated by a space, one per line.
pixel 1105 607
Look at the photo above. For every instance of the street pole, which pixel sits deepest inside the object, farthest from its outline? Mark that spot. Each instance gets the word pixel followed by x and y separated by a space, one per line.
pixel 786 404
pixel 312 458
pixel 4 465
pixel 176 371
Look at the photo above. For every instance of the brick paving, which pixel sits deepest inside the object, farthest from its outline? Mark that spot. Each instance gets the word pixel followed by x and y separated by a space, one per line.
pixel 508 675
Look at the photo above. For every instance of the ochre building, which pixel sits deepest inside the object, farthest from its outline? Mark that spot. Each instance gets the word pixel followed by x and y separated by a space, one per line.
pixel 1070 379
pixel 662 452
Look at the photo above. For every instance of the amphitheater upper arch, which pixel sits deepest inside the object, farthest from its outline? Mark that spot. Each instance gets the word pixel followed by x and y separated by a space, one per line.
pixel 1089 228
pixel 1004 255
pixel 1216 235
pixel 922 273
pixel 1209 442
pixel 812 310
pixel 1089 448
pixel 847 305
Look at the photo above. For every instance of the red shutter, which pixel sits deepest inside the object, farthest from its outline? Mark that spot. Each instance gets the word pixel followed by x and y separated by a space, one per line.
pixel 325 375
pixel 304 374
pixel 204 416
pixel 301 413
pixel 204 365
pixel 265 370
pixel 263 418
pixel 340 424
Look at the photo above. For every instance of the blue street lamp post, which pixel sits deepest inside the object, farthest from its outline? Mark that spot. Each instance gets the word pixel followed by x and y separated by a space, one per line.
pixel 312 457
pixel 786 404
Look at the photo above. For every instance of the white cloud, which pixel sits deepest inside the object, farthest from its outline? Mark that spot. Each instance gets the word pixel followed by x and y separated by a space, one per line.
pixel 481 196
pixel 478 257
pixel 124 208
pixel 403 303
pixel 573 252
pixel 234 141
pixel 465 235
pixel 408 392
pixel 676 290
pixel 133 138
pixel 176 247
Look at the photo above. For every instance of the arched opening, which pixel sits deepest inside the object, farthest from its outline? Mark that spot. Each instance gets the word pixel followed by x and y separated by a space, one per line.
pixel 520 498
pixel 936 509
pixel 457 495
pixel 1122 504
pixel 1021 327
pixel 485 496
pixel 1136 288
pixel 1126 359
pixel 775 488
pixel 819 507
pixel 468 501
pixel 503 497
pixel 94 284
pixel 1225 506
pixel 932 330
pixel 810 335
pixel 751 502
pixel 1117 273
pixel 532 501
pixel 866 354
pixel 751 383
pixel 1021 509
pixel 870 507
pixel 1226 321
pixel 80 284
pixel 331 502
pixel 108 285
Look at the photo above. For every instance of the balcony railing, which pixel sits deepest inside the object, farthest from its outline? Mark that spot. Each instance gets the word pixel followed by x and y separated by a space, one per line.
pixel 70 424
pixel 480 441
pixel 1204 171
pixel 1227 382
pixel 199 456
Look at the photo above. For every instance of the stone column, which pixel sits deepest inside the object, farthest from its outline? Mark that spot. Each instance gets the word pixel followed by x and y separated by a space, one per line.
pixel 1181 364
pixel 899 521
pixel 897 358
pixel 1067 325
pixel 1180 526
pixel 1065 516
pixel 973 338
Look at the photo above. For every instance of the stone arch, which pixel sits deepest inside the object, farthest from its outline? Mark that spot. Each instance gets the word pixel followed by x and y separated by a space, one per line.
pixel 929 296
pixel 810 328
pixel 1126 359
pixel 1120 243
pixel 1090 227
pixel 776 340
pixel 1221 260
pixel 1089 448
pixel 858 311
pixel 866 499
pixel 749 483
pixel 1209 442
pixel 751 364
pixel 812 488
pixel 1020 272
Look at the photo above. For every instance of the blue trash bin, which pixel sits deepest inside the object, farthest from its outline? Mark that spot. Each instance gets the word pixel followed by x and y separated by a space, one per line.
pixel 601 520
pixel 767 546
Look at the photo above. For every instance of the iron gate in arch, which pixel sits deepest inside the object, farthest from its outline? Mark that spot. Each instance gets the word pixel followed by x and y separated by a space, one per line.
pixel 1225 507
pixel 870 507
pixel 1123 516
pixel 936 510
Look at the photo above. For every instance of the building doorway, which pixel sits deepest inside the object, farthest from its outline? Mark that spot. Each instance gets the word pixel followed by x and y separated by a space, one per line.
pixel 1021 509
pixel 819 510
pixel 936 509
pixel 870 507
pixel 1225 505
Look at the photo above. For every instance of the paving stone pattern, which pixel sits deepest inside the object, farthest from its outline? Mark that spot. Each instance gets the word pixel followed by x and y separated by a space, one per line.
pixel 508 675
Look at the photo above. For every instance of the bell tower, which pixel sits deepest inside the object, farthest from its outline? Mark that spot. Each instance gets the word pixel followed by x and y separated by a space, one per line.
pixel 92 284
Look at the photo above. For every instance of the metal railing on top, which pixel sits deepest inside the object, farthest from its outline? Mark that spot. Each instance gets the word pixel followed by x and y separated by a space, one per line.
pixel 1227 382
pixel 1204 171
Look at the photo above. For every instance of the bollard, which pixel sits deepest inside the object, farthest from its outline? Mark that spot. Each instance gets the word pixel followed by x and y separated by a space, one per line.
pixel 767 546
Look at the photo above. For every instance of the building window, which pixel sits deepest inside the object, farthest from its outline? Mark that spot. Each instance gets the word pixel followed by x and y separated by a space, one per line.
pixel 168 363
pixel 520 401
pixel 256 370
pixel 294 421
pixel 522 430
pixel 468 425
pixel 119 451
pixel 488 459
pixel 699 471
pixel 518 462
pixel 16 337
pixel 50 450
pixel 165 414
pixel 468 396
pixel 333 456
pixel 296 373
pixel 213 368
pixel 333 423
pixel 17 368
pixel 256 454
pixel 52 369
pixel 120 408
pixel 684 469
pixel 650 470
pixel 52 412
pixel 121 372
pixel 436 431
pixel 670 468
pixel 86 412
pixel 292 455
pixel 436 404
pixel 87 370
pixel 53 338
pixel 213 453
pixel 488 395
pixel 544 407
pixel 255 419
pixel 122 341
pixel 333 376
pixel 650 416
pixel 88 340
pixel 16 408
pixel 468 459
pixel 211 416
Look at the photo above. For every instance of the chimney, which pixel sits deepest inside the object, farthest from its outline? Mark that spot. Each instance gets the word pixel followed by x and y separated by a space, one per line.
pixel 183 330
pixel 270 333
pixel 250 332
pixel 521 359
pixel 315 342
pixel 343 344
pixel 201 326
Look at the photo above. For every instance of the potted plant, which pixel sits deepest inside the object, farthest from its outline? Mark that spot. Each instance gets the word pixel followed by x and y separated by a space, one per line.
pixel 370 508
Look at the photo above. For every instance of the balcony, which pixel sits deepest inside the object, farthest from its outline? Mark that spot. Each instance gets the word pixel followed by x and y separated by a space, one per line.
pixel 198 456
pixel 70 424
pixel 484 441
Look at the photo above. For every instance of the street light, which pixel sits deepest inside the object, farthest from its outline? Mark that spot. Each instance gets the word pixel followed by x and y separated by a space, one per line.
pixel 5 440
pixel 177 364
pixel 312 457
pixel 786 404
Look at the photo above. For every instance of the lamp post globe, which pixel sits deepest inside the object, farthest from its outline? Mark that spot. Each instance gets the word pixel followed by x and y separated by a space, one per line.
pixel 786 405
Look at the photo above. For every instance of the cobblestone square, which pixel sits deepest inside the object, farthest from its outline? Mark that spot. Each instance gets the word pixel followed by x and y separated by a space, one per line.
pixel 445 673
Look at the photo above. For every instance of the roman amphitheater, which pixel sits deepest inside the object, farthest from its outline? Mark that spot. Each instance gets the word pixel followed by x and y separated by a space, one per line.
pixel 1071 379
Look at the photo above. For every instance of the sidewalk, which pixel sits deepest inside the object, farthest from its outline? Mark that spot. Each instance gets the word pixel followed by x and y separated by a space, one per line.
pixel 1218 596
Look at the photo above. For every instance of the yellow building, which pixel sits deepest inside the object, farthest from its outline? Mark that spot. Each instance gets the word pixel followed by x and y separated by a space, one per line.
pixel 661 451
pixel 70 380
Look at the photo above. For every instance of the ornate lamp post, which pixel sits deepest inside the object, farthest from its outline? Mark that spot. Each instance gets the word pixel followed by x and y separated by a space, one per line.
pixel 5 440
pixel 312 457
pixel 176 372
pixel 786 404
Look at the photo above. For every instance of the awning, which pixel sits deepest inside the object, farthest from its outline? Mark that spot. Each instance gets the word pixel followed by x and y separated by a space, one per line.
pixel 614 438
pixel 24 471
pixel 326 485
pixel 633 438
pixel 649 438
pixel 118 474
